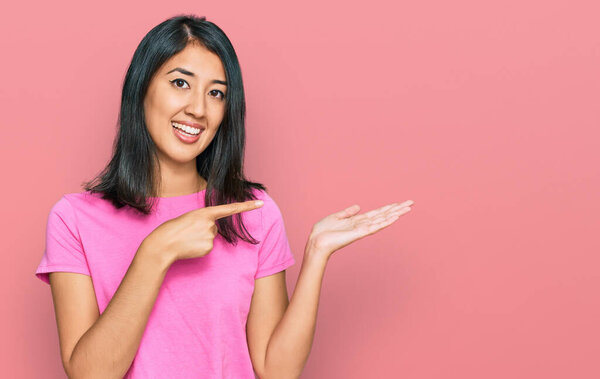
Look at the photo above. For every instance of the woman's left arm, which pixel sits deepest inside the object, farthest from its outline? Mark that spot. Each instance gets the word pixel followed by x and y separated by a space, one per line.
pixel 291 341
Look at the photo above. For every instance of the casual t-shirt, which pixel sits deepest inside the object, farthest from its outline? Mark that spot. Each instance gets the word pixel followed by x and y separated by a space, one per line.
pixel 197 327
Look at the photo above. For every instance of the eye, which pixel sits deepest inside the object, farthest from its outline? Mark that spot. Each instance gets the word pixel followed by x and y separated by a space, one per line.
pixel 222 94
pixel 177 81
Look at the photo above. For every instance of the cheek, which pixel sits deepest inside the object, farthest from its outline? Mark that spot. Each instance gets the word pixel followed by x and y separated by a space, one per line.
pixel 217 115
pixel 159 109
pixel 169 105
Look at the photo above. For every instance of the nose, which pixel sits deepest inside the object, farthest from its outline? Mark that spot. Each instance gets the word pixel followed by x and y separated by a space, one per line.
pixel 196 106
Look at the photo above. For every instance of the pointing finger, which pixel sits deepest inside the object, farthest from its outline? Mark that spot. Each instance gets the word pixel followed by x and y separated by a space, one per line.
pixel 224 210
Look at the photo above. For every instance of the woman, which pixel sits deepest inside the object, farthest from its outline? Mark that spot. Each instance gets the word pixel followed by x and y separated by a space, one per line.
pixel 168 290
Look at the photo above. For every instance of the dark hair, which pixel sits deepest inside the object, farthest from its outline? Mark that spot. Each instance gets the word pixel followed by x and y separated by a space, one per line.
pixel 129 177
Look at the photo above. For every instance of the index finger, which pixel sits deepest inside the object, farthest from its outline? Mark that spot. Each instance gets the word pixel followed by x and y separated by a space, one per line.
pixel 224 210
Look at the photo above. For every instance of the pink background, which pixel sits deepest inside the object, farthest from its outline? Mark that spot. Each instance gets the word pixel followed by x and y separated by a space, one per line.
pixel 485 114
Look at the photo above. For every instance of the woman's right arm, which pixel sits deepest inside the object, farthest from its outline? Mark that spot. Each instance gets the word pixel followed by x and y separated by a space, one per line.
pixel 103 346
pixel 107 348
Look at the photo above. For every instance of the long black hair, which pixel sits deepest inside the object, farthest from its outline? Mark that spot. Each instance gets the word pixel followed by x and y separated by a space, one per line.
pixel 130 176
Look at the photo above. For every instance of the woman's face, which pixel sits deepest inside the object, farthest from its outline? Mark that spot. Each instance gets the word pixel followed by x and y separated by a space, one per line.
pixel 188 89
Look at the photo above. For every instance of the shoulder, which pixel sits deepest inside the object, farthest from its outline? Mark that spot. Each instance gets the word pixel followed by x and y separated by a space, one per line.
pixel 86 200
pixel 261 194
pixel 270 212
pixel 61 217
pixel 81 208
pixel 83 197
pixel 65 207
pixel 270 205
pixel 68 202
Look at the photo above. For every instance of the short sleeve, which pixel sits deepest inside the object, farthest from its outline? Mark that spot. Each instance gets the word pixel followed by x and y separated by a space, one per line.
pixel 274 254
pixel 64 251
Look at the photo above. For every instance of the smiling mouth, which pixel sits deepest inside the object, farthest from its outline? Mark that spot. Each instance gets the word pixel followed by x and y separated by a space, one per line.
pixel 191 131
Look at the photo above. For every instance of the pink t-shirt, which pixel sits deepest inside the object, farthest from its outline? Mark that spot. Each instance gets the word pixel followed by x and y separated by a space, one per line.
pixel 197 328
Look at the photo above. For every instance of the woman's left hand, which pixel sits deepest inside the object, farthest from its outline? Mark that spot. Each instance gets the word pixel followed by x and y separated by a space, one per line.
pixel 342 228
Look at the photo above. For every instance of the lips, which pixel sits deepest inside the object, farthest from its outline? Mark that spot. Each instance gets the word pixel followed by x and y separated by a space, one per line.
pixel 192 124
pixel 186 138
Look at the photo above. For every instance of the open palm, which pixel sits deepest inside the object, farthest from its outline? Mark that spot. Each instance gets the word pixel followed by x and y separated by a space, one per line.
pixel 342 228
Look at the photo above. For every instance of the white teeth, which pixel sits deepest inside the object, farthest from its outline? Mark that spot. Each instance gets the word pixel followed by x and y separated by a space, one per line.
pixel 185 128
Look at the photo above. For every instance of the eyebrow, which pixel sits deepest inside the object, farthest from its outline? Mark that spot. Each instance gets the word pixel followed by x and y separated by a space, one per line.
pixel 186 72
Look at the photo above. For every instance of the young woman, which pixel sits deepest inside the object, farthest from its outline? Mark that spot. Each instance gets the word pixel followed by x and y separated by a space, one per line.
pixel 183 271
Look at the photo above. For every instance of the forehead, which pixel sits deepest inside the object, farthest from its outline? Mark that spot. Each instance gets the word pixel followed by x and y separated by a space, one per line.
pixel 197 59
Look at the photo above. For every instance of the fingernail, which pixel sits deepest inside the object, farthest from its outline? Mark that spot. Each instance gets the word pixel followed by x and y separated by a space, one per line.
pixel 259 202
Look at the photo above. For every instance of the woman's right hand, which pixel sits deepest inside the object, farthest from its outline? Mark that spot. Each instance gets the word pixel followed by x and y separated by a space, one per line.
pixel 191 235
